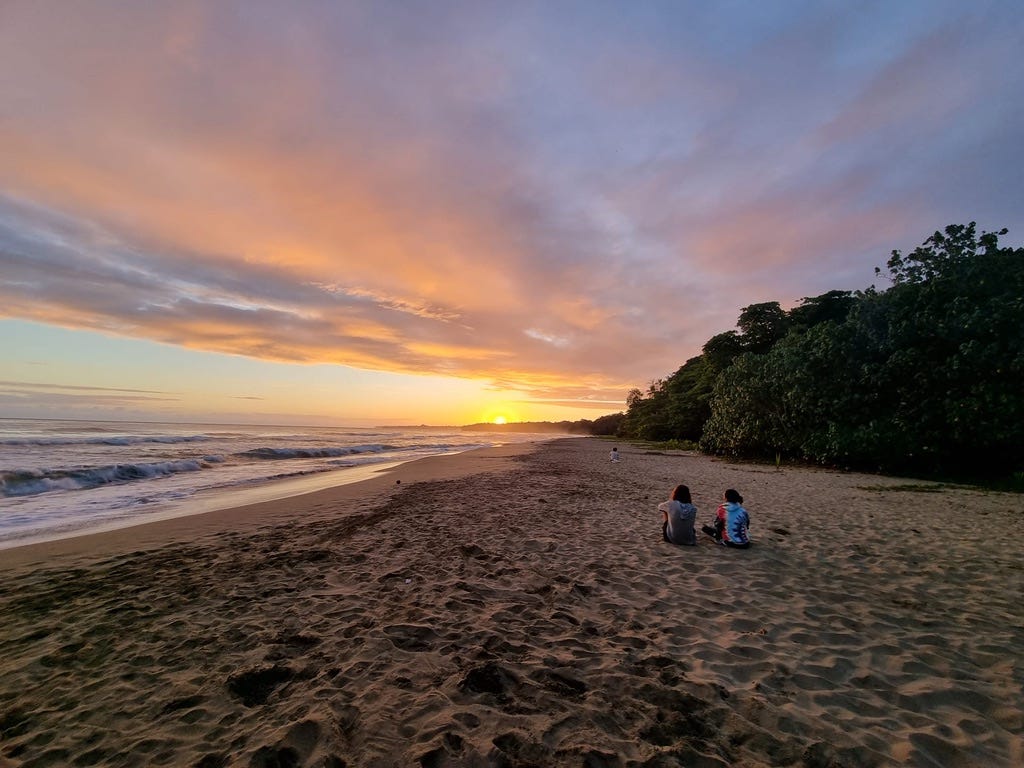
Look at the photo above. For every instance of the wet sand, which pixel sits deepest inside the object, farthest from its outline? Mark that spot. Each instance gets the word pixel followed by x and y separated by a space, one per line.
pixel 516 607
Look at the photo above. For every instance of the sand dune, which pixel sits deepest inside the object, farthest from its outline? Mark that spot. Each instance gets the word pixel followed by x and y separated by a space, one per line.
pixel 529 615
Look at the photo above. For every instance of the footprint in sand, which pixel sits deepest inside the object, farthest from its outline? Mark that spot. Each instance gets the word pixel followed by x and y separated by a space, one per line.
pixel 255 686
pixel 411 637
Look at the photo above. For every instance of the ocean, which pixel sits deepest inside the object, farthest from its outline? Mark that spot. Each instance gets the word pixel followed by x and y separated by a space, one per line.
pixel 66 478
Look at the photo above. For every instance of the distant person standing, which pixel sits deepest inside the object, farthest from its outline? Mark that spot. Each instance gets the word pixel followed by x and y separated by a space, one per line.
pixel 615 454
pixel 731 522
pixel 678 516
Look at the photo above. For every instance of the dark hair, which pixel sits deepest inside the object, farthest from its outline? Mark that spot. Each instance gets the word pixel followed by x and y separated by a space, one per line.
pixel 733 496
pixel 682 494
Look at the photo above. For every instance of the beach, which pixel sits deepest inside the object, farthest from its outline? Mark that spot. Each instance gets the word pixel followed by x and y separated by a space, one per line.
pixel 516 606
pixel 64 478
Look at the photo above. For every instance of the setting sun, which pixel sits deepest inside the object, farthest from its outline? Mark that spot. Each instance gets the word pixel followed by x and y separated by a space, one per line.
pixel 500 420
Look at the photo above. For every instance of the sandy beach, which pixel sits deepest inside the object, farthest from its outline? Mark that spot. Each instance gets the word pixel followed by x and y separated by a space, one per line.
pixel 516 606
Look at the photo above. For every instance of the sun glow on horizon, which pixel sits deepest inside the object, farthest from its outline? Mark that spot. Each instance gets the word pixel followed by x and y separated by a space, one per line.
pixel 500 420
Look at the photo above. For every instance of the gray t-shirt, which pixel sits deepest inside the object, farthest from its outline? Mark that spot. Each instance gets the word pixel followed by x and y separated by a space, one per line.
pixel 680 521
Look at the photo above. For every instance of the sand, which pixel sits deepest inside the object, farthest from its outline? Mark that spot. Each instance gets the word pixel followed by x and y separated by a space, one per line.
pixel 517 608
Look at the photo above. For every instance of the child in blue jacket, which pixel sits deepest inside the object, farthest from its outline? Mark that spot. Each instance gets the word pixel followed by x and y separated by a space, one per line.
pixel 731 522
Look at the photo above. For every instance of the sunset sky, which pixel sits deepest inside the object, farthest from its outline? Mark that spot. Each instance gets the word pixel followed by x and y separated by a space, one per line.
pixel 444 212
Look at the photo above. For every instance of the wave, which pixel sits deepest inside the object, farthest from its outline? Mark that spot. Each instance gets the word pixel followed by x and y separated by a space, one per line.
pixel 272 454
pixel 72 475
pixel 112 440
pixel 314 453
pixel 31 482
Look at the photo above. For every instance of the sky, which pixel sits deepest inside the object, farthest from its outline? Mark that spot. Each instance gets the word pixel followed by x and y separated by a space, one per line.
pixel 450 212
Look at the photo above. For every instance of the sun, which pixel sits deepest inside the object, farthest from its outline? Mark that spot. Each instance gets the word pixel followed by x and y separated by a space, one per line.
pixel 500 420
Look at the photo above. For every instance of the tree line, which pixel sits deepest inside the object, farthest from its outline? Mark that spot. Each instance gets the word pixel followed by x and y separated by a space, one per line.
pixel 925 376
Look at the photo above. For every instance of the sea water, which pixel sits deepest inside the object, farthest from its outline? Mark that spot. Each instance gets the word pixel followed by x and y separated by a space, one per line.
pixel 66 478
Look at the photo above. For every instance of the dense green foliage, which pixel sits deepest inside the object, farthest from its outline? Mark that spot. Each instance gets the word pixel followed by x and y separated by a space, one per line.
pixel 926 376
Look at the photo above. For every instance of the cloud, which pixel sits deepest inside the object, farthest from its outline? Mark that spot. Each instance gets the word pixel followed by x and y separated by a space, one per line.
pixel 564 200
pixel 38 397
pixel 598 405
pixel 555 341
pixel 35 385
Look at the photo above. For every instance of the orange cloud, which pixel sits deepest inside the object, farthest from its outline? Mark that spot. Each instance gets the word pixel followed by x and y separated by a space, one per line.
pixel 507 203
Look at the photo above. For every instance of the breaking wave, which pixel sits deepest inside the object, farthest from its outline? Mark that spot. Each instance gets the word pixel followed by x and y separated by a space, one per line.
pixel 30 482
pixel 313 453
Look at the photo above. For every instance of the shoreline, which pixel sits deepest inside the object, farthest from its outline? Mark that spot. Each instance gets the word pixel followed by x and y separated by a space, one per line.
pixel 210 500
pixel 244 517
pixel 526 611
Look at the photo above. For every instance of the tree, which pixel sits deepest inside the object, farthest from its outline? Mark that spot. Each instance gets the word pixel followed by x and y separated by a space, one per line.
pixel 634 397
pixel 762 326
pixel 943 255
pixel 607 425
pixel 673 408
pixel 831 307
pixel 925 377
pixel 720 350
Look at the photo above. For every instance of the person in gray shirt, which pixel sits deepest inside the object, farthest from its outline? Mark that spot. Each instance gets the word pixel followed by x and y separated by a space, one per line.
pixel 678 514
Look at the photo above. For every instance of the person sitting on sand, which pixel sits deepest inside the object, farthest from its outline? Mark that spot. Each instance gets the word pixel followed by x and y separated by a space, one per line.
pixel 615 454
pixel 731 522
pixel 679 514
